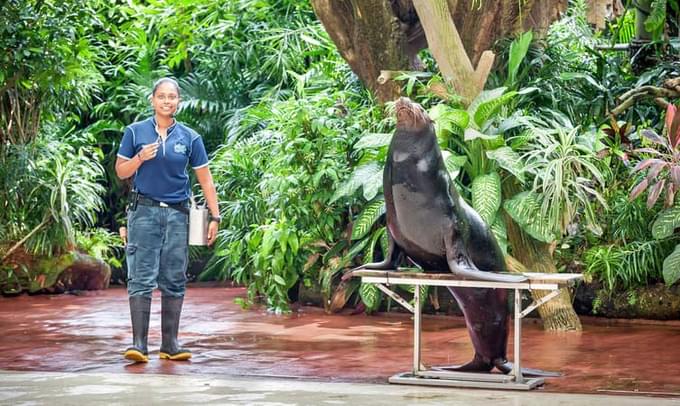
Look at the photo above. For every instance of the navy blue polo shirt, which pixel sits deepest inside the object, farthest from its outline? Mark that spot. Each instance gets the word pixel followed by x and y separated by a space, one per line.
pixel 164 178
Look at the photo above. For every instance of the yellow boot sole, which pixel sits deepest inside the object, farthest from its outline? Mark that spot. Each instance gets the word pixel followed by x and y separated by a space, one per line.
pixel 180 356
pixel 135 355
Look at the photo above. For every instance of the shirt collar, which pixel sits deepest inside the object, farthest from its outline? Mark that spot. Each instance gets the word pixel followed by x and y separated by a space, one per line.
pixel 170 129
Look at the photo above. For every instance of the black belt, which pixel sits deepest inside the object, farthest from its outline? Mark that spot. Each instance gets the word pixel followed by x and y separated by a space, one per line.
pixel 145 201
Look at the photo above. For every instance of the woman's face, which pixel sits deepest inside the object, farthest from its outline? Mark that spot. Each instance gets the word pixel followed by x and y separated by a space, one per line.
pixel 165 100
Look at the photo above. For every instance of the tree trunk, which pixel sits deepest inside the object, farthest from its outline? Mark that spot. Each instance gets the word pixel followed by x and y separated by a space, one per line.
pixel 481 25
pixel 599 11
pixel 369 37
pixel 376 35
pixel 447 48
pixel 557 314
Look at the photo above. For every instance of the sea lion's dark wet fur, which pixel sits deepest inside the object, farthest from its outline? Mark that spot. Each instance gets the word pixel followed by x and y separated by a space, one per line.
pixel 432 225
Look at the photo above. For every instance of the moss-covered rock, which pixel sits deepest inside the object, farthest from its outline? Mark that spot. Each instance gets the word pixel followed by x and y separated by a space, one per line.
pixel 657 302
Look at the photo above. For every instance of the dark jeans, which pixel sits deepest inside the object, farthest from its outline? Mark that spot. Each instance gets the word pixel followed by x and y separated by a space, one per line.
pixel 157 251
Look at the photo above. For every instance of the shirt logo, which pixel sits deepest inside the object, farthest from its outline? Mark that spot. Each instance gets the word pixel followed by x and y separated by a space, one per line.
pixel 180 149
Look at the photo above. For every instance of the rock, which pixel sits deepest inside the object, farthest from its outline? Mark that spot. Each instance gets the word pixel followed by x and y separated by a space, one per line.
pixel 82 272
pixel 655 302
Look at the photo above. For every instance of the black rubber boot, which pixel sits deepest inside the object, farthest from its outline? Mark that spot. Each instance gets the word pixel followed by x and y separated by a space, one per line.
pixel 171 308
pixel 140 307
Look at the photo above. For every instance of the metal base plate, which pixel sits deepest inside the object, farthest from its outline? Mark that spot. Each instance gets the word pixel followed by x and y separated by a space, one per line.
pixel 407 378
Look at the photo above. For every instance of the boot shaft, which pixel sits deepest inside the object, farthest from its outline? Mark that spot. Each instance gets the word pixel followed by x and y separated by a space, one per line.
pixel 140 309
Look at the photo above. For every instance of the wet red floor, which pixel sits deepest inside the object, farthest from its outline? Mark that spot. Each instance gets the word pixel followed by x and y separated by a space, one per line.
pixel 89 333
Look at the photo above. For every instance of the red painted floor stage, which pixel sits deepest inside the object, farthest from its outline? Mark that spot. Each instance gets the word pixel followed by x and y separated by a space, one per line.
pixel 89 333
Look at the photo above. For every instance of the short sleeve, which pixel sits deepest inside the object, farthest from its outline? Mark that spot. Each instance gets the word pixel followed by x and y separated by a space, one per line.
pixel 198 158
pixel 127 147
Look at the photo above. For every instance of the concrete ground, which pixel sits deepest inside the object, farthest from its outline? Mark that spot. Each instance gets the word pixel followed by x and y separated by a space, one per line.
pixel 67 349
pixel 68 388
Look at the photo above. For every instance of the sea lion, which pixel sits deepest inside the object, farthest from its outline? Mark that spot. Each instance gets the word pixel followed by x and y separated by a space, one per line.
pixel 428 222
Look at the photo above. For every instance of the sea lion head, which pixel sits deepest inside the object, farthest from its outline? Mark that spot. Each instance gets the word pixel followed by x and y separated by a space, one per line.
pixel 410 115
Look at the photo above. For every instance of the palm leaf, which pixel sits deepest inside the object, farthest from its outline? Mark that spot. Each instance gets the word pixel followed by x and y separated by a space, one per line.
pixel 486 196
pixel 665 225
pixel 367 218
pixel 525 209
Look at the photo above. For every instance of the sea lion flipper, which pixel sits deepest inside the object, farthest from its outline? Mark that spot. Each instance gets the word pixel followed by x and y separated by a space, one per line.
pixel 506 367
pixel 460 264
pixel 392 257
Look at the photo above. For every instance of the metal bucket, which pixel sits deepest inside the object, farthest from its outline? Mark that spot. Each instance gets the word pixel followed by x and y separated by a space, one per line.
pixel 198 224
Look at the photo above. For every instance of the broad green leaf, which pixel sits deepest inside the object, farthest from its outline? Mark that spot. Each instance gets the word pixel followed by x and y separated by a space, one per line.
pixel 666 223
pixel 509 160
pixel 375 240
pixel 294 243
pixel 671 267
pixel 424 289
pixel 278 279
pixel 453 163
pixel 487 109
pixel 268 241
pixel 361 175
pixel 367 218
pixel 373 182
pixel 448 121
pixel 518 50
pixel 370 295
pixel 487 103
pixel 500 232
pixel 385 242
pixel 472 134
pixel 657 17
pixel 486 196
pixel 525 209
pixel 374 140
pixel 483 97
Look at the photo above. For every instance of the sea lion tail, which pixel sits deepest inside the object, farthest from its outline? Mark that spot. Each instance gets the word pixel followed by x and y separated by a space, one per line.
pixel 506 367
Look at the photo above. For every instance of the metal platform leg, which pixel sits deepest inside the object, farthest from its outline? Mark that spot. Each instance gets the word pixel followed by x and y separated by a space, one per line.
pixel 517 369
pixel 416 329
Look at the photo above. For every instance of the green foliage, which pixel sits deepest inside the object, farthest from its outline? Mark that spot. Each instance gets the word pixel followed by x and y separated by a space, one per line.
pixel 371 296
pixel 487 104
pixel 671 267
pixel 367 218
pixel 47 70
pixel 280 182
pixel 566 174
pixel 656 20
pixel 666 223
pixel 525 210
pixel 518 51
pixel 102 244
pixel 628 266
pixel 486 196
pixel 51 187
pixel 509 160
